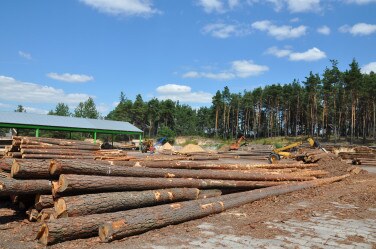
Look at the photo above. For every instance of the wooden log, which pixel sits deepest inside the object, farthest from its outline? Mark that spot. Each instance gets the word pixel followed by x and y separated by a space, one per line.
pixel 208 193
pixel 6 164
pixel 81 205
pixel 57 152
pixel 49 156
pixel 57 168
pixel 28 187
pixel 87 226
pixel 16 154
pixel 61 142
pixel 43 201
pixel 30 169
pixel 46 214
pixel 89 184
pixel 32 214
pixel 58 147
pixel 206 165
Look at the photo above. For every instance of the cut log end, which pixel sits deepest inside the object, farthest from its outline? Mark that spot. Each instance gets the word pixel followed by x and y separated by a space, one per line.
pixel 15 168
pixel 104 232
pixel 55 168
pixel 61 208
pixel 62 183
pixel 42 235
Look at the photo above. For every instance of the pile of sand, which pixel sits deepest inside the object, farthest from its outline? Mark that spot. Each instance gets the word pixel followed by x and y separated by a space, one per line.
pixel 191 148
pixel 167 146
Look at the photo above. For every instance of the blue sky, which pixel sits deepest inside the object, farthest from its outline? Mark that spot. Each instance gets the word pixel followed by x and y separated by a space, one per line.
pixel 186 50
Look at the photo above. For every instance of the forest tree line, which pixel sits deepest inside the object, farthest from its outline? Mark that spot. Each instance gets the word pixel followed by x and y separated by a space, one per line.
pixel 331 105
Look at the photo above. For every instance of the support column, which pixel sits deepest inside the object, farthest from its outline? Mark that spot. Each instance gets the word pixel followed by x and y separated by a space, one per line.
pixel 37 132
pixel 140 141
pixel 95 137
pixel 112 138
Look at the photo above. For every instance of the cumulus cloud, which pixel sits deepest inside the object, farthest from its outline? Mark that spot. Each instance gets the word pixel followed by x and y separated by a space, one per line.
pixel 212 5
pixel 303 5
pixel 14 90
pixel 73 78
pixel 280 32
pixel 25 55
pixel 30 109
pixel 182 93
pixel 324 30
pixel 239 69
pixel 222 30
pixel 123 7
pixel 359 29
pixel 312 54
pixel 370 67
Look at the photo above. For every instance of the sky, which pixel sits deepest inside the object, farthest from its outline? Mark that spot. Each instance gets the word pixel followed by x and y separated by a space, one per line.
pixel 184 50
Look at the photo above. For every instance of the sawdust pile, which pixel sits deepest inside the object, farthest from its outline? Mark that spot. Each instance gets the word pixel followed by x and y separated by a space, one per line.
pixel 167 146
pixel 191 148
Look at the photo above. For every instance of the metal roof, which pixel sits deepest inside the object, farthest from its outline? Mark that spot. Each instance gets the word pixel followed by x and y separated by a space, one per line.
pixel 22 118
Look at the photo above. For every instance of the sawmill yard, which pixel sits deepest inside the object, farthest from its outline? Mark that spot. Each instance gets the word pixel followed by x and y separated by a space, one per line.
pixel 64 193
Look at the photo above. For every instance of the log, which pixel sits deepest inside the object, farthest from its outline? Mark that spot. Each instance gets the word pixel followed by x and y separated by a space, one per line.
pixel 32 214
pixel 89 184
pixel 26 187
pixel 6 164
pixel 43 201
pixel 206 165
pixel 49 156
pixel 81 205
pixel 61 142
pixel 58 152
pixel 144 219
pixel 57 168
pixel 208 193
pixel 46 215
pixel 30 169
pixel 58 147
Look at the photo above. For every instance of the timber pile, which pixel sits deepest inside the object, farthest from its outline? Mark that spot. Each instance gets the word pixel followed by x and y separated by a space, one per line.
pixel 357 155
pixel 49 148
pixel 251 152
pixel 81 198
pixel 112 155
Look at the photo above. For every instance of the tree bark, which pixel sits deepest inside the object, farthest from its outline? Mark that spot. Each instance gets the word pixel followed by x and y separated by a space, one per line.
pixel 89 184
pixel 50 156
pixel 87 148
pixel 26 187
pixel 113 170
pixel 144 219
pixel 30 169
pixel 6 164
pixel 43 201
pixel 81 205
pixel 54 151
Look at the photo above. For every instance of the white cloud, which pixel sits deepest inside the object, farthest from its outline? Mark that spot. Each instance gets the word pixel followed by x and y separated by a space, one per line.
pixel 296 19
pixel 359 29
pixel 14 90
pixel 233 3
pixel 324 30
pixel 25 55
pixel 212 5
pixel 123 7
pixel 239 69
pixel 73 78
pixel 30 109
pixel 2 105
pixel 280 32
pixel 312 54
pixel 222 30
pixel 183 94
pixel 370 67
pixel 360 2
pixel 303 5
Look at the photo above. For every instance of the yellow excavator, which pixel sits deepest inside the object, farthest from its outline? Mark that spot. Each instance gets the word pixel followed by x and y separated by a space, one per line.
pixel 287 151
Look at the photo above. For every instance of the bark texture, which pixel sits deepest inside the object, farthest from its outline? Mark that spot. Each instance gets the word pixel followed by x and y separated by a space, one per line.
pixel 43 201
pixel 30 169
pixel 25 187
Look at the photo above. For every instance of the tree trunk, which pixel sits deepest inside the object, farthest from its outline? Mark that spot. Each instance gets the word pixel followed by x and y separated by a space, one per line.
pixel 72 152
pixel 141 220
pixel 86 148
pixel 113 170
pixel 91 184
pixel 53 156
pixel 25 187
pixel 6 164
pixel 30 169
pixel 81 205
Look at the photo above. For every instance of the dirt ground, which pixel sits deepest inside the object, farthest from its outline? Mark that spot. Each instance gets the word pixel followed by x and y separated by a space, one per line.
pixel 342 214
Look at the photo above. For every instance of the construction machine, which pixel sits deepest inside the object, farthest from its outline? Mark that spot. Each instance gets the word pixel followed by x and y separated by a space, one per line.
pixel 288 151
pixel 238 143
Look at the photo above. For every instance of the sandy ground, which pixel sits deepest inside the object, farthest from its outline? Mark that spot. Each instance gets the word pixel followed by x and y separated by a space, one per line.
pixel 340 215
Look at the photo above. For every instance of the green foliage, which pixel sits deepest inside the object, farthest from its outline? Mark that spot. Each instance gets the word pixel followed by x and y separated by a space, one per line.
pixel 170 135
pixel 61 109
pixel 86 109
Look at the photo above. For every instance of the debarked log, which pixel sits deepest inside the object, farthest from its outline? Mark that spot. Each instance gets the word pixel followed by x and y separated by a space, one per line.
pixel 124 223
pixel 30 169
pixel 81 205
pixel 57 168
pixel 25 187
pixel 89 184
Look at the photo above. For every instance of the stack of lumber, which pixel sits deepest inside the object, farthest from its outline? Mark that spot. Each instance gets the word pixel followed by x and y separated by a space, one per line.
pixel 81 198
pixel 360 155
pixel 49 148
pixel 4 142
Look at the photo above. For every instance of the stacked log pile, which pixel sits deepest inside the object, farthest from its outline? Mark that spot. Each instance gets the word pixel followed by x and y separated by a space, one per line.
pixel 356 155
pixel 81 198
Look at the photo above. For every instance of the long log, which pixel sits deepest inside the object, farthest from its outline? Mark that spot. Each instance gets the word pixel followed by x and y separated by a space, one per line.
pixel 58 147
pixel 81 205
pixel 30 169
pixel 43 201
pixel 208 193
pixel 61 142
pixel 57 168
pixel 57 152
pixel 206 165
pixel 50 156
pixel 89 184
pixel 26 187
pixel 6 164
pixel 144 219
